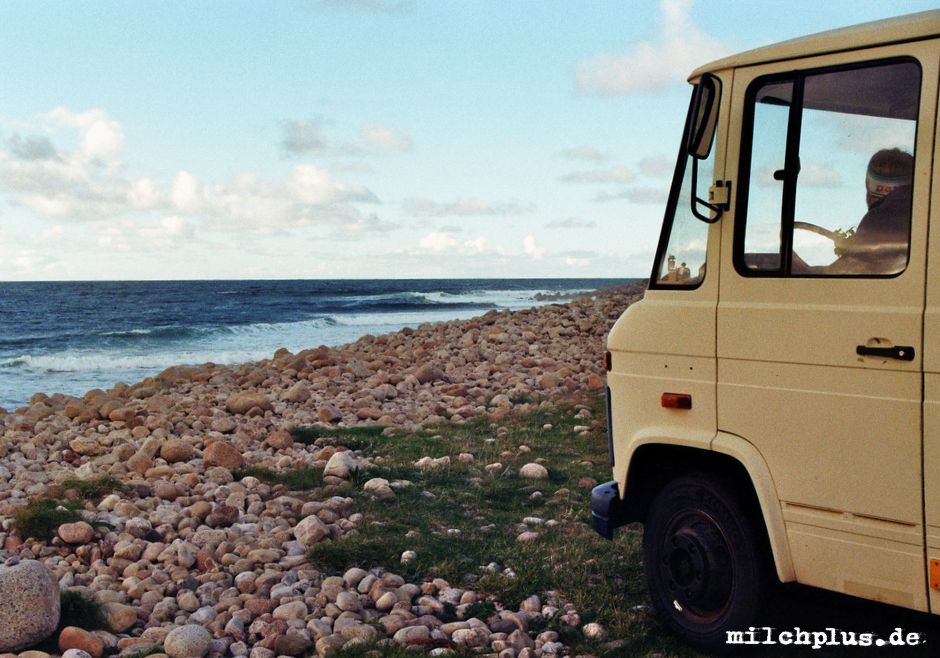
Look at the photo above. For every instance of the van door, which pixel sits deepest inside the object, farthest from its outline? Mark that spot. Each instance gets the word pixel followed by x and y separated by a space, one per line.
pixel 821 302
pixel 932 397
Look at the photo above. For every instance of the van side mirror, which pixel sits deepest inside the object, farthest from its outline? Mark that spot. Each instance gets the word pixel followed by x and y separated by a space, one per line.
pixel 704 116
pixel 701 125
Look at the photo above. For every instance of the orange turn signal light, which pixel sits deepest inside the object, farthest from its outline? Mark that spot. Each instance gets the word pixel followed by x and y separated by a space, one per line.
pixel 935 574
pixel 676 401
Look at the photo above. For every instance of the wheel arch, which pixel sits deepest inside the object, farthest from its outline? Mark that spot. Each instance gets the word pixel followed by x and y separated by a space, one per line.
pixel 653 465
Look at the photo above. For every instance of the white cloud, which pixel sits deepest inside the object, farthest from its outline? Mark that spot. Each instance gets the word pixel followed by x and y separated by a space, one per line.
pixel 478 244
pixel 143 194
pixel 679 47
pixel 307 196
pixel 437 242
pixel 816 175
pixel 102 137
pixel 187 194
pixel 312 185
pixel 657 166
pixel 381 139
pixel 164 234
pixel 52 233
pixel 618 174
pixel 463 208
pixel 811 175
pixel 77 183
pixel 530 249
pixel 362 225
pixel 305 137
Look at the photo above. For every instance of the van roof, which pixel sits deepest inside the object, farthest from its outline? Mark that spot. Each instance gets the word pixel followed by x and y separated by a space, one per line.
pixel 891 30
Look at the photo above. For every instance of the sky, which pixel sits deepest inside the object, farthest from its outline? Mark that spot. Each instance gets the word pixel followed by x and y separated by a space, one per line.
pixel 320 139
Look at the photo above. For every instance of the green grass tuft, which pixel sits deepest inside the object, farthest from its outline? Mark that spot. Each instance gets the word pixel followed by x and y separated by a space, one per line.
pixel 354 438
pixel 40 518
pixel 76 610
pixel 95 488
pixel 301 479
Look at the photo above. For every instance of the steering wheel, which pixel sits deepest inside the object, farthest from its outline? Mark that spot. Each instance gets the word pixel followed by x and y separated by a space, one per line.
pixel 889 257
pixel 838 241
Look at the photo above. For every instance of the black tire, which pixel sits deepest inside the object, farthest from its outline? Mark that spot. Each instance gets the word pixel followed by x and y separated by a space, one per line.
pixel 704 562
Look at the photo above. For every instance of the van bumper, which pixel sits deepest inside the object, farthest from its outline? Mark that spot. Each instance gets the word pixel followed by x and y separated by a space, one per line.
pixel 608 511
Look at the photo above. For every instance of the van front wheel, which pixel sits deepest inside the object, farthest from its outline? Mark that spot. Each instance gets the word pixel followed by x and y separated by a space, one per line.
pixel 702 560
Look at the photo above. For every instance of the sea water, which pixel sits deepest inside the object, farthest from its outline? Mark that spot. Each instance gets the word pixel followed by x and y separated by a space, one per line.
pixel 70 337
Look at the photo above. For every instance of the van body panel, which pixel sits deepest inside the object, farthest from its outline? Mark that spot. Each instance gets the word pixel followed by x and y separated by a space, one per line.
pixel 921 25
pixel 644 420
pixel 762 480
pixel 844 562
pixel 931 362
pixel 833 426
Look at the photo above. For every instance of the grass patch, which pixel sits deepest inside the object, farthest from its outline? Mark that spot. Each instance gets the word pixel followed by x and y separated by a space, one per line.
pixel 301 479
pixel 463 519
pixel 354 438
pixel 40 518
pixel 94 489
pixel 76 610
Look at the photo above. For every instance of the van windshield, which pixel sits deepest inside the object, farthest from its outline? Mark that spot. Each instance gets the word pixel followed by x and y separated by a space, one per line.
pixel 680 258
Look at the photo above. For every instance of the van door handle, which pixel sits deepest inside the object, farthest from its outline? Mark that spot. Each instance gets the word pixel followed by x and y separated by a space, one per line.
pixel 899 352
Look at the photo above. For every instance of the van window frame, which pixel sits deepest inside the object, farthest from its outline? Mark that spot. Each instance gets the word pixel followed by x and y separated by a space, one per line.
pixel 672 203
pixel 788 201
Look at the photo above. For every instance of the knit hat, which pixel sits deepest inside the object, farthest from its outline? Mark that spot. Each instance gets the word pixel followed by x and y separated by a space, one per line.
pixel 887 170
pixel 881 186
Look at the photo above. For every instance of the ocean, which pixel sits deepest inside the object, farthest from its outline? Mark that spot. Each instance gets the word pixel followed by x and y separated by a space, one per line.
pixel 70 337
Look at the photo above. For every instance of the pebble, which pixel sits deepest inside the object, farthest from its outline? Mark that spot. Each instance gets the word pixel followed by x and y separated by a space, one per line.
pixel 118 617
pixel 73 637
pixel 76 533
pixel 532 470
pixel 189 641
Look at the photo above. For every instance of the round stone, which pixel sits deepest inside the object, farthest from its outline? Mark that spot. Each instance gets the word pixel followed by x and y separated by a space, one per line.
pixel 119 617
pixel 348 601
pixel 190 641
pixel 533 470
pixel 73 637
pixel 76 533
pixel 29 605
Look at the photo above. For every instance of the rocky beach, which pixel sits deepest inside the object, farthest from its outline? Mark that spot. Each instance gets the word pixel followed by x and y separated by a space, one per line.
pixel 188 551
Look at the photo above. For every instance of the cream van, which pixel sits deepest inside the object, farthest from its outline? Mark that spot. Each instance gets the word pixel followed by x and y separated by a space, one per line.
pixel 774 399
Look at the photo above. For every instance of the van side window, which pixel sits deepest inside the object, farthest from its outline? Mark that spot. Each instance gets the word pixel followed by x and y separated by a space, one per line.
pixel 826 176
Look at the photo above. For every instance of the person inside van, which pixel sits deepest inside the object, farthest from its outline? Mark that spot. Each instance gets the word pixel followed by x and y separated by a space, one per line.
pixel 881 239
